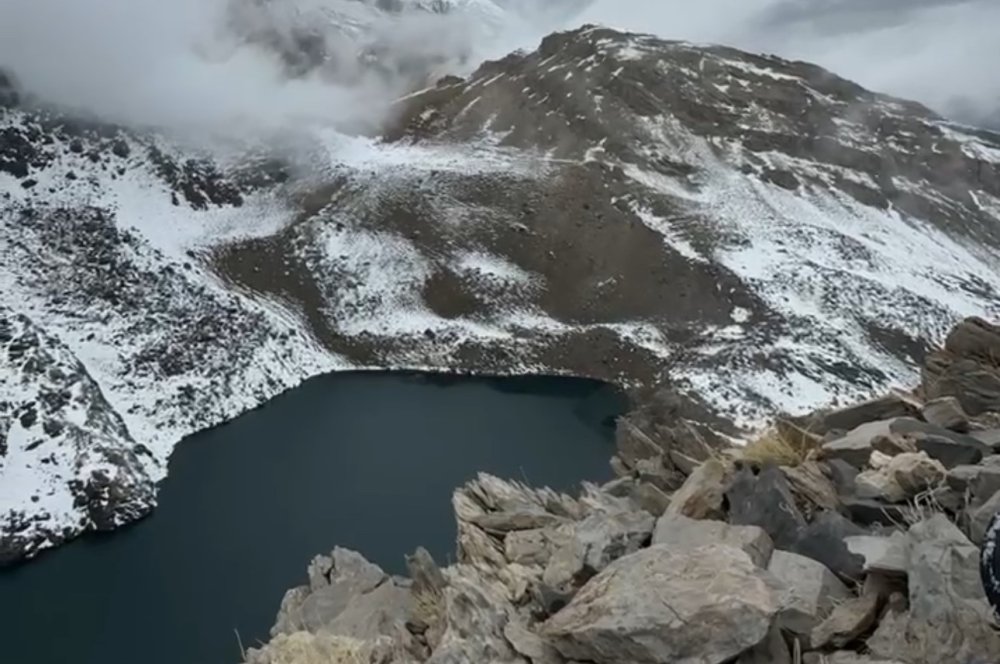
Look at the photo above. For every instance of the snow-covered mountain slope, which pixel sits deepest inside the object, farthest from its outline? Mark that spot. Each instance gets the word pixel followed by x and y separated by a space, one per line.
pixel 62 446
pixel 849 226
pixel 764 233
pixel 96 232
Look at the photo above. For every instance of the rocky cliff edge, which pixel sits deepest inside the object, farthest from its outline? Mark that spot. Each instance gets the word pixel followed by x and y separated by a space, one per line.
pixel 847 536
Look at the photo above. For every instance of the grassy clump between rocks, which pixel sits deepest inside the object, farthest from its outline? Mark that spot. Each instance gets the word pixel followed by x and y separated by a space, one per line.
pixel 782 444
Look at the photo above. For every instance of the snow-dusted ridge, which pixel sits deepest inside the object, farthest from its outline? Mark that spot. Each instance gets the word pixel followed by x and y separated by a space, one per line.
pixel 611 205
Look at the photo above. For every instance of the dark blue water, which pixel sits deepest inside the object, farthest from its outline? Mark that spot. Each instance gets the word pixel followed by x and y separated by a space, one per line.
pixel 366 461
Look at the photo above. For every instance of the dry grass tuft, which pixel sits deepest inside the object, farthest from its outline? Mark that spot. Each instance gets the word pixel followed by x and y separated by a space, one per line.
pixel 782 446
pixel 308 648
pixel 428 607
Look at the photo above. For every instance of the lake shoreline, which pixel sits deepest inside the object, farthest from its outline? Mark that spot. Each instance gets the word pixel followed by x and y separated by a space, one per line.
pixel 366 459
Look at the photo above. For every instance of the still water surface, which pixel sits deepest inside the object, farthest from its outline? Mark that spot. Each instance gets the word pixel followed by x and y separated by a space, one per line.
pixel 366 461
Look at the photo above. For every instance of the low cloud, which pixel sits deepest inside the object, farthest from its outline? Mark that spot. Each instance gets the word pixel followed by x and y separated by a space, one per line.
pixel 247 63
pixel 224 64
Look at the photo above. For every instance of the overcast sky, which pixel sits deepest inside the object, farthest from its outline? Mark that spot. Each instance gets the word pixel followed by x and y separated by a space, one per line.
pixel 166 61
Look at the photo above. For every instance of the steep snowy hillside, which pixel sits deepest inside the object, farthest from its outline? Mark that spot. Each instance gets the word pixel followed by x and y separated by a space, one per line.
pixel 763 233
pixel 97 231
pixel 62 446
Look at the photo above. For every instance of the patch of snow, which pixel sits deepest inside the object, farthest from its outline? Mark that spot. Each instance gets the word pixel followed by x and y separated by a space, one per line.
pixel 495 267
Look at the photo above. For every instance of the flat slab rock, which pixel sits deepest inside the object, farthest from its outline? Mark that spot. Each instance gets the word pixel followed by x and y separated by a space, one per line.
pixel 886 555
pixel 684 534
pixel 664 606
pixel 948 447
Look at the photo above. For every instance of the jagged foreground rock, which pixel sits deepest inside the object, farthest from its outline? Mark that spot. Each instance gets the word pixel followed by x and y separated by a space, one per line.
pixel 760 233
pixel 747 561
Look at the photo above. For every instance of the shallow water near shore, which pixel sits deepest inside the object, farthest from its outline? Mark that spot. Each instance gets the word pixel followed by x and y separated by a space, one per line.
pixel 362 460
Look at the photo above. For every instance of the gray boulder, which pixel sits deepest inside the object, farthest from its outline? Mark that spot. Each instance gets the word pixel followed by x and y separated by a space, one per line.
pixel 965 368
pixel 948 447
pixel 811 487
pixel 989 437
pixel 947 413
pixel 605 537
pixel 948 619
pixel 809 591
pixel 339 584
pixel 474 612
pixel 893 444
pixel 660 473
pixel 901 477
pixel 848 621
pixel 664 606
pixel 591 545
pixel 772 650
pixel 528 644
pixel 871 511
pixel 980 481
pixel 766 501
pixel 979 517
pixel 700 497
pixel 651 498
pixel 953 449
pixel 535 547
pixel 683 534
pixel 842 474
pixel 823 540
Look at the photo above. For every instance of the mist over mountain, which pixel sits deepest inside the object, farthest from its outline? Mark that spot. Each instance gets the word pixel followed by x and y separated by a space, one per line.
pixel 225 64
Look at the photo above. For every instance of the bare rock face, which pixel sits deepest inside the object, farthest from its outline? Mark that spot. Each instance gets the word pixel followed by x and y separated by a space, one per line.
pixel 667 607
pixel 948 618
pixel 475 612
pixel 348 596
pixel 966 367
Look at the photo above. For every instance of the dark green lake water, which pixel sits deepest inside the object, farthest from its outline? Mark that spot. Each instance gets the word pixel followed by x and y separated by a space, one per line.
pixel 366 461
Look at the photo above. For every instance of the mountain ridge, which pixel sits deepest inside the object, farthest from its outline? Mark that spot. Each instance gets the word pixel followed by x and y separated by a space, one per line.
pixel 694 221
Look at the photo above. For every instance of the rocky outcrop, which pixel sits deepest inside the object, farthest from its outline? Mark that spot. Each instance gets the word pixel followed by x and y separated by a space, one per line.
pixel 750 562
pixel 708 604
